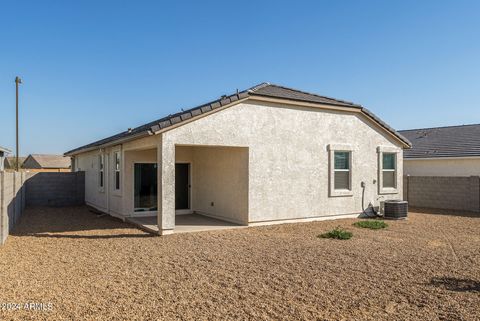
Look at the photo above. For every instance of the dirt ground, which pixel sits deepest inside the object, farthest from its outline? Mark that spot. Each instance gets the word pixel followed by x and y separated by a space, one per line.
pixel 84 267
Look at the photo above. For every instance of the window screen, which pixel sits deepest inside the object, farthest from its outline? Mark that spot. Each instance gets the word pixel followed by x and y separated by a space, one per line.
pixel 342 170
pixel 389 170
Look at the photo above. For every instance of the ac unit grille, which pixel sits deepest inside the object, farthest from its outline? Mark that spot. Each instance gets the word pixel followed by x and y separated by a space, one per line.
pixel 395 209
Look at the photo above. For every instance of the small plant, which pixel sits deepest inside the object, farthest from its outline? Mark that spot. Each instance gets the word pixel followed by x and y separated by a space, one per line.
pixel 337 233
pixel 371 224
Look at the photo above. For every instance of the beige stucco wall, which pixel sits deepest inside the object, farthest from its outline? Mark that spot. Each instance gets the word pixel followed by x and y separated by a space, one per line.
pixel 288 157
pixel 93 196
pixel 442 167
pixel 218 175
pixel 281 171
pixel 117 203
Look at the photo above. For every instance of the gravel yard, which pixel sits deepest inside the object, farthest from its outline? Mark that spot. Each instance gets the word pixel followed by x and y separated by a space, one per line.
pixel 88 267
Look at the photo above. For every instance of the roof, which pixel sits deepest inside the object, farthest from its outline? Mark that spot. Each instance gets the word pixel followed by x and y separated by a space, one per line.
pixel 450 141
pixel 10 161
pixel 261 90
pixel 51 161
pixel 6 150
pixel 276 91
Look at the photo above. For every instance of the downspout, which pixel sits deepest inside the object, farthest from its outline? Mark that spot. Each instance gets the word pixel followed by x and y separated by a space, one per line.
pixel 364 210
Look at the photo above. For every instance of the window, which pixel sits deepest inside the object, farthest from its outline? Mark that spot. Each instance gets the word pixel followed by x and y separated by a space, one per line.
pixel 389 170
pixel 145 187
pixel 116 168
pixel 100 170
pixel 342 170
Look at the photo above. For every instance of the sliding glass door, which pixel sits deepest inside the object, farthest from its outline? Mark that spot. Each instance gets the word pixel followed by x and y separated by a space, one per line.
pixel 145 187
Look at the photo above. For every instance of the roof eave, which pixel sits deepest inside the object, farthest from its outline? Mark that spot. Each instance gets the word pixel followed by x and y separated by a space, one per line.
pixel 354 107
pixel 406 143
pixel 446 157
pixel 81 150
pixel 190 115
pixel 55 167
pixel 339 104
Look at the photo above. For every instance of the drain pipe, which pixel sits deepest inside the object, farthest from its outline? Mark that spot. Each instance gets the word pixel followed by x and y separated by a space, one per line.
pixel 364 210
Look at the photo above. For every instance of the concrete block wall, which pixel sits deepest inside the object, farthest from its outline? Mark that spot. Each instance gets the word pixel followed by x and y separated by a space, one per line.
pixel 442 192
pixel 21 189
pixel 12 201
pixel 55 189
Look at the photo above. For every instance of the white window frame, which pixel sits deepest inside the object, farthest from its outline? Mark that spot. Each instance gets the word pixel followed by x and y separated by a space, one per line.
pixel 332 148
pixel 101 171
pixel 387 150
pixel 115 170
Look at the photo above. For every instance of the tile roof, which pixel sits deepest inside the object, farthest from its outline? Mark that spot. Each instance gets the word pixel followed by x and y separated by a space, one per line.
pixel 51 161
pixel 261 90
pixel 451 141
pixel 276 91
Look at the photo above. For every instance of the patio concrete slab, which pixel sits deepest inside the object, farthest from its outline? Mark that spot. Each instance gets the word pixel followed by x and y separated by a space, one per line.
pixel 146 223
pixel 184 223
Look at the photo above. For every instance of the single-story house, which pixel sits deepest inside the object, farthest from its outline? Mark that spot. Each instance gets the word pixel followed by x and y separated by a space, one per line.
pixel 259 156
pixel 10 162
pixel 3 154
pixel 443 151
pixel 47 163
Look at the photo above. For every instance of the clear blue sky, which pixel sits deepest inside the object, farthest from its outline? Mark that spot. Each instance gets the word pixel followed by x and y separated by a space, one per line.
pixel 94 68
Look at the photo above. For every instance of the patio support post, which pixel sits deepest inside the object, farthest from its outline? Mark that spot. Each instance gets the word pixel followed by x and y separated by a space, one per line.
pixel 166 187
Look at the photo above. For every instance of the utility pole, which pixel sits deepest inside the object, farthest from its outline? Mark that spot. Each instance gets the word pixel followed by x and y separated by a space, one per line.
pixel 17 82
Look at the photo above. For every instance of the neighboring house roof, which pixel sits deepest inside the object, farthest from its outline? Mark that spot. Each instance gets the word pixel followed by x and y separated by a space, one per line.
pixel 5 150
pixel 263 90
pixel 451 141
pixel 10 162
pixel 46 161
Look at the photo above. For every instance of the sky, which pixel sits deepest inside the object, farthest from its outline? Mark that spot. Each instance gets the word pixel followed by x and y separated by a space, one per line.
pixel 91 69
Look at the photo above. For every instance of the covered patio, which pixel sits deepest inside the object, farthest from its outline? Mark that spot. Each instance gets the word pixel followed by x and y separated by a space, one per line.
pixel 186 188
pixel 184 223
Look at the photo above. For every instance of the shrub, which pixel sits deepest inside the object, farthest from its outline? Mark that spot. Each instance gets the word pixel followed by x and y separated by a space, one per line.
pixel 371 224
pixel 337 233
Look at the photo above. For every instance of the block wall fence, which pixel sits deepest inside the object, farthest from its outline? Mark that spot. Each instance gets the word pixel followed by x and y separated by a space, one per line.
pixel 443 192
pixel 21 189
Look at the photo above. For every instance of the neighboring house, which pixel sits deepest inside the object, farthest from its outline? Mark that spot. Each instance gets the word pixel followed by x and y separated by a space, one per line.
pixel 266 154
pixel 443 151
pixel 9 163
pixel 47 163
pixel 3 154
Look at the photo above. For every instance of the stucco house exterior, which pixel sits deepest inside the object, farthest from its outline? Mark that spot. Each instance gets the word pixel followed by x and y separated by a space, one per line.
pixel 264 155
pixel 3 154
pixel 443 151
pixel 47 163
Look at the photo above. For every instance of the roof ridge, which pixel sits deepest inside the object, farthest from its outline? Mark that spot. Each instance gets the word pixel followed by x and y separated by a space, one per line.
pixel 259 86
pixel 438 127
pixel 225 100
pixel 317 95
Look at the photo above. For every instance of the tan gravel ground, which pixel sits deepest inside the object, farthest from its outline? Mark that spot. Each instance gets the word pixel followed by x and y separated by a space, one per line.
pixel 98 268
